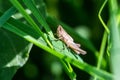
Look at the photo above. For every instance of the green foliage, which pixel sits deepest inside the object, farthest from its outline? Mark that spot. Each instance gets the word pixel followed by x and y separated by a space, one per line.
pixel 17 38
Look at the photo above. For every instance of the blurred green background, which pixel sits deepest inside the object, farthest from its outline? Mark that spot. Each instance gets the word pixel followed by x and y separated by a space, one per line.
pixel 81 15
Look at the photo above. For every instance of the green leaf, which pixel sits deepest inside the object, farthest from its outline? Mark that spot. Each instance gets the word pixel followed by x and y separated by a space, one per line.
pixel 61 47
pixel 7 15
pixel 24 27
pixel 38 14
pixel 115 39
pixel 14 52
pixel 29 20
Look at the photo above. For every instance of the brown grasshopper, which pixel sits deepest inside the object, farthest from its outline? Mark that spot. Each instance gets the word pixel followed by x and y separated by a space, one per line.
pixel 68 40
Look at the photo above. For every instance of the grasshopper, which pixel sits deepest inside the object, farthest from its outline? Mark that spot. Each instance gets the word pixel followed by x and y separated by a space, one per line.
pixel 68 40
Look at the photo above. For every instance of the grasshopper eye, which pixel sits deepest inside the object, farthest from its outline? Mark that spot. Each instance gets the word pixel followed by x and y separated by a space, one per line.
pixel 60 28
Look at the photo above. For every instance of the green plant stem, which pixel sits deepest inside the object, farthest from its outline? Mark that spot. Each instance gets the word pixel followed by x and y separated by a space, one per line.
pixel 99 15
pixel 102 51
pixel 67 67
